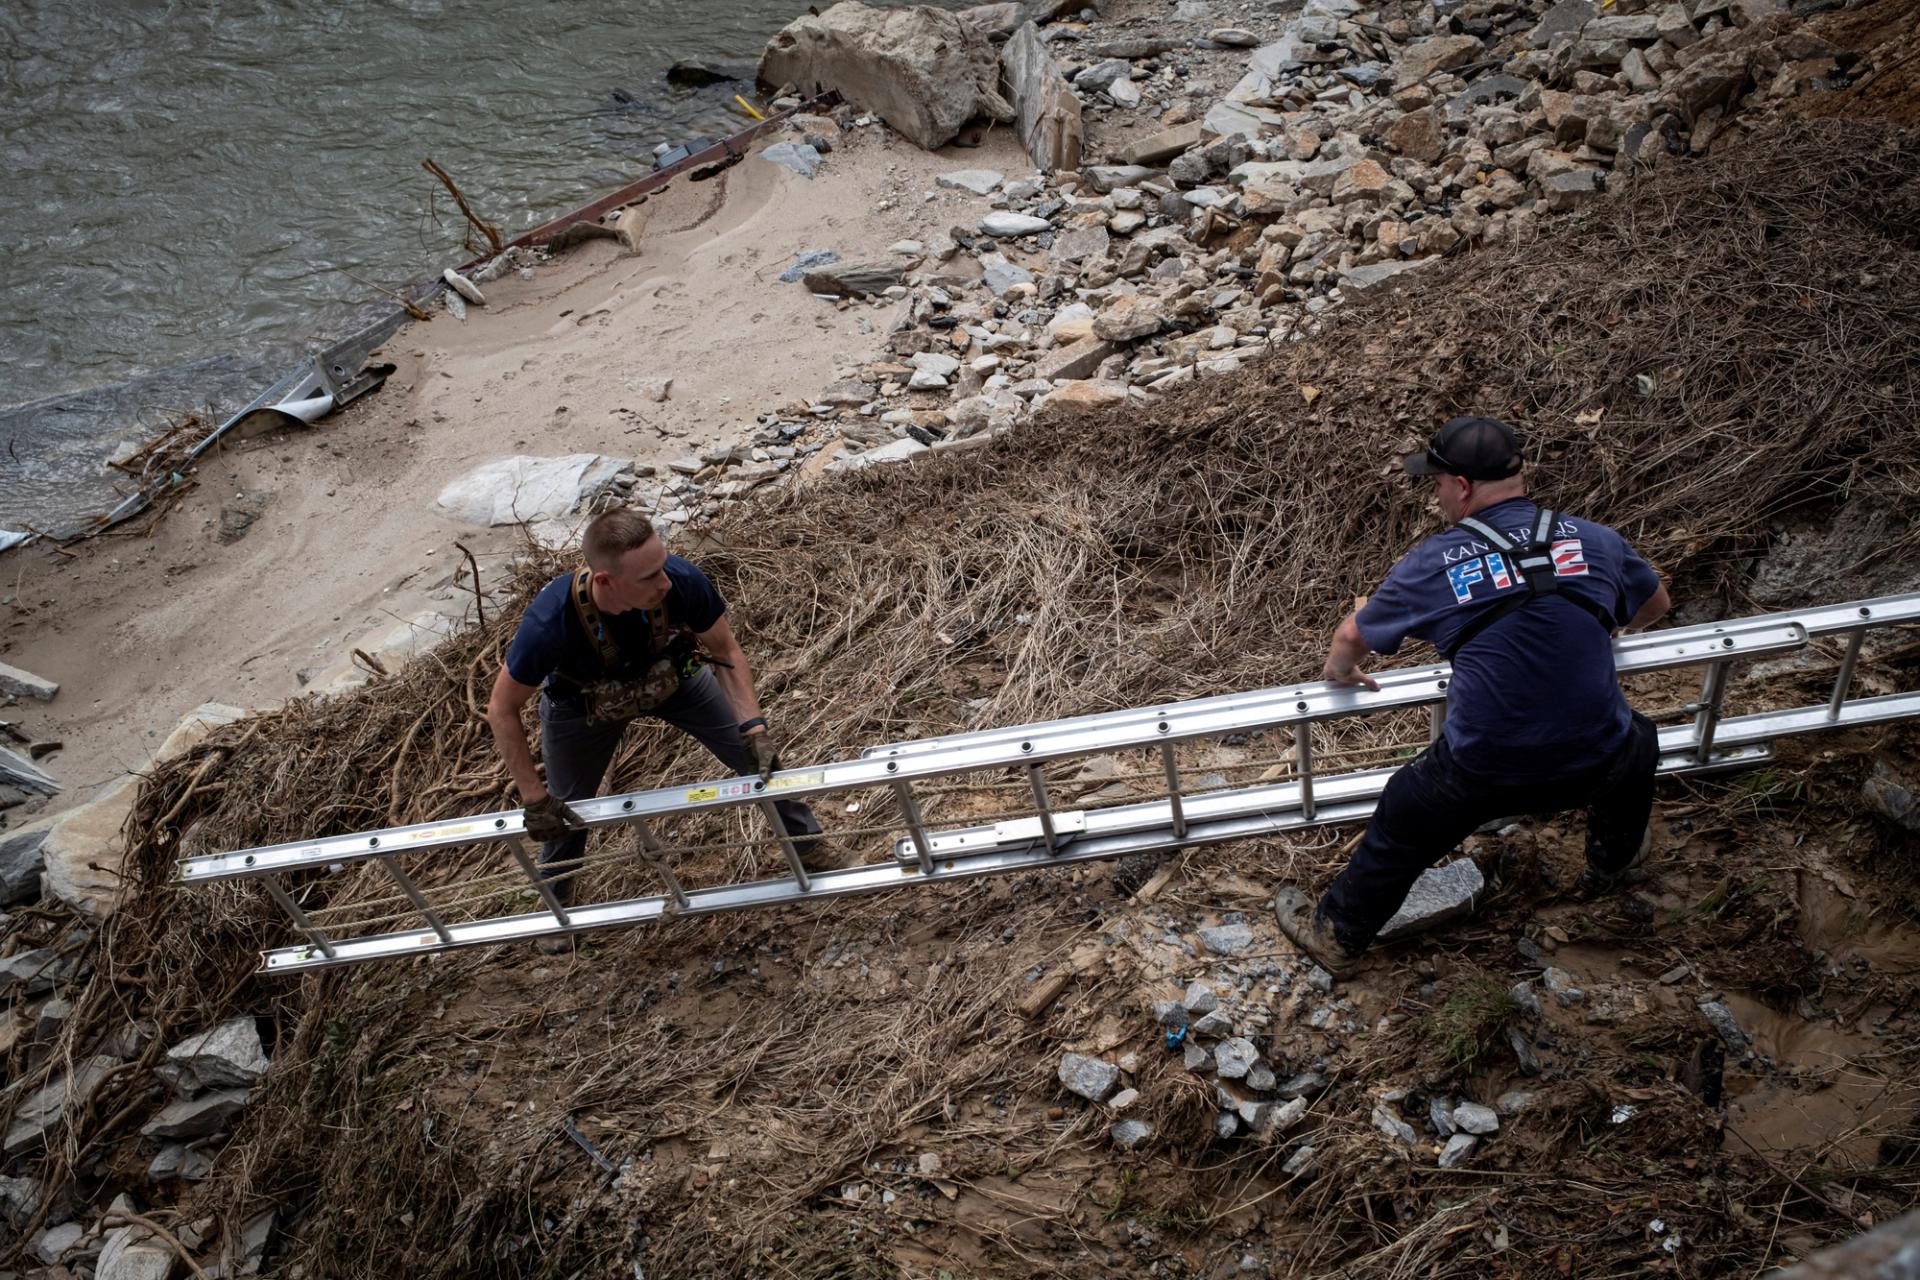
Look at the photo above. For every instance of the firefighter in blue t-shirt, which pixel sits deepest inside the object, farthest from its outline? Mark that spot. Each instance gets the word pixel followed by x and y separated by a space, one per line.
pixel 1523 602
pixel 619 639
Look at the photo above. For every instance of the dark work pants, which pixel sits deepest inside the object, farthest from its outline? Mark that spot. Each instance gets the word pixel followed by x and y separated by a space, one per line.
pixel 577 754
pixel 1431 805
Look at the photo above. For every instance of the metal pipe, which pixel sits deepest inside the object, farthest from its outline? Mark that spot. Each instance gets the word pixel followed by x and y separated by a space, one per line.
pixel 916 825
pixel 1040 803
pixel 418 899
pixel 285 899
pixel 1840 686
pixel 1173 790
pixel 1303 765
pixel 518 848
pixel 772 813
pixel 1712 690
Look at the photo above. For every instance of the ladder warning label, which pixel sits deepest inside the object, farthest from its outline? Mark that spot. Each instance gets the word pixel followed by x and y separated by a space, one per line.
pixel 702 793
pixel 812 777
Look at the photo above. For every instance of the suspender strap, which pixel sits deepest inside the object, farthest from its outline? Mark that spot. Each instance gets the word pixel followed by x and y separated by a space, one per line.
pixel 581 591
pixel 1534 564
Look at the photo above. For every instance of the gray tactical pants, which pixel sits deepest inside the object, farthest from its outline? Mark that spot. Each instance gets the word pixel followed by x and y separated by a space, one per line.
pixel 577 754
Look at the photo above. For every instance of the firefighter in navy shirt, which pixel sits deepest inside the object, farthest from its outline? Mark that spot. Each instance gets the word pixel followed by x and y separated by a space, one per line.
pixel 1523 602
pixel 619 639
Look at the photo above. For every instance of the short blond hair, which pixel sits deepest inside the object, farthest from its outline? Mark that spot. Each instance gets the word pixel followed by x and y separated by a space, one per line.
pixel 614 533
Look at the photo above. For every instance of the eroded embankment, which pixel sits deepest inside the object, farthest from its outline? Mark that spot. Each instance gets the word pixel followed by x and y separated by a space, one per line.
pixel 1713 359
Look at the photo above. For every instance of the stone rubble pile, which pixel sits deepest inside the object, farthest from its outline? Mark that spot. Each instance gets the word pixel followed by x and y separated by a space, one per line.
pixel 1360 143
pixel 207 1079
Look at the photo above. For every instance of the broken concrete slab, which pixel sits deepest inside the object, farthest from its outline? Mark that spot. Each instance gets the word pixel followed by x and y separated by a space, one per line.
pixel 25 684
pixel 523 489
pixel 196 1117
pixel 922 70
pixel 1046 109
pixel 1439 895
pixel 226 1055
pixel 1089 1077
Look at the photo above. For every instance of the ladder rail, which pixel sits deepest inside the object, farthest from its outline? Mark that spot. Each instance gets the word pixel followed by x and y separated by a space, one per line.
pixel 1270 710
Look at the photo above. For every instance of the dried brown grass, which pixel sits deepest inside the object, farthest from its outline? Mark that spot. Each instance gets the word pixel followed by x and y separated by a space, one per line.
pixel 1722 346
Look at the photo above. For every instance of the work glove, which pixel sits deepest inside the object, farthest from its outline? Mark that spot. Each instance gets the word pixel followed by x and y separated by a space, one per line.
pixel 548 818
pixel 766 753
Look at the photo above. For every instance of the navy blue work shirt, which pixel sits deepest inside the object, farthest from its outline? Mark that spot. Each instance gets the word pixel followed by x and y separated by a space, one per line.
pixel 551 639
pixel 1534 696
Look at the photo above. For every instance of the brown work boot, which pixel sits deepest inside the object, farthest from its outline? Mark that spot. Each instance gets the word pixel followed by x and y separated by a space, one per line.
pixel 1301 920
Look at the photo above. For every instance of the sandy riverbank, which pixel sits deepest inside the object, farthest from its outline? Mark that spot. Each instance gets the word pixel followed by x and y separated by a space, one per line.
pixel 144 624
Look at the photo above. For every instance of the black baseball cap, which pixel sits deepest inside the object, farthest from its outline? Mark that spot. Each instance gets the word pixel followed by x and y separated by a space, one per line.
pixel 1471 448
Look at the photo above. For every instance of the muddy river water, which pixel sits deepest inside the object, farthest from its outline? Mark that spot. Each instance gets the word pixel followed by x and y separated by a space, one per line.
pixel 194 181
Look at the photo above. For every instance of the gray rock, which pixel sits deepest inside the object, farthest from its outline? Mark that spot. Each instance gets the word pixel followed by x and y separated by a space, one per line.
pixel 1260 1076
pixel 1235 1057
pixel 1001 275
pixel 1892 796
pixel 1080 359
pixel 1523 1054
pixel 848 393
pixel 1254 1113
pixel 1128 1135
pixel 23 855
pixel 1096 78
pixel 1423 58
pixel 1197 1058
pixel 18 771
pixel 1513 1102
pixel 1123 1099
pixel 1005 223
pixel 1563 22
pixel 1200 998
pixel 196 1117
pixel 1079 244
pixel 1090 1078
pixel 797 156
pixel 1213 1024
pixel 1561 984
pixel 805 261
pixel 1727 1027
pixel 1623 26
pixel 1441 893
pixel 979 181
pixel 41 1110
pixel 1485 92
pixel 1458 1148
pixel 1471 1117
pixel 19 1200
pixel 35 971
pixel 1299 1163
pixel 1233 37
pixel 1564 191
pixel 177 1160
pixel 1358 283
pixel 228 1055
pixel 25 684
pixel 935 362
pixel 1320 980
pixel 1285 1116
pixel 466 288
pixel 1111 177
pixel 132 1253
pixel 1170 1013
pixel 1393 1126
pixel 1440 1116
pixel 1524 999
pixel 1046 109
pixel 1124 93
pixel 855 278
pixel 923 71
pixel 1227 939
pixel 1226 1124
pixel 52 1244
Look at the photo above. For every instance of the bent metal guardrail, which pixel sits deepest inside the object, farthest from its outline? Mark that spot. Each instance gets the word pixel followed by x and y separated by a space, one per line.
pixel 1047 833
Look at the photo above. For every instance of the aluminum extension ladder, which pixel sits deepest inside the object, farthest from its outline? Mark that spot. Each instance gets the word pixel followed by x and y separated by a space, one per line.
pixel 1049 833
